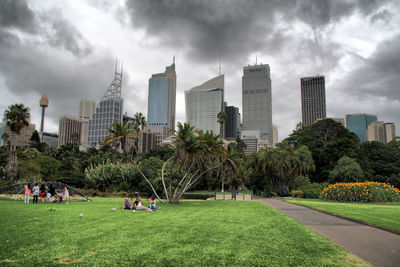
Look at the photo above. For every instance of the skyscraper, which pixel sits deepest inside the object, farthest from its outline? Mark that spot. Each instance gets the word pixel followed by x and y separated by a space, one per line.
pixel 162 98
pixel 69 130
pixel 108 110
pixel 376 132
pixel 232 123
pixel 86 111
pixel 257 101
pixel 313 104
pixel 390 131
pixel 203 103
pixel 358 124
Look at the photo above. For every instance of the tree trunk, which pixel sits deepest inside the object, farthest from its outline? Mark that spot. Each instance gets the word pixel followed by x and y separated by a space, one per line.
pixel 12 166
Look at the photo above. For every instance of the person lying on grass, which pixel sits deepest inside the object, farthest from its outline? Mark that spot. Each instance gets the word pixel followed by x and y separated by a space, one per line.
pixel 138 205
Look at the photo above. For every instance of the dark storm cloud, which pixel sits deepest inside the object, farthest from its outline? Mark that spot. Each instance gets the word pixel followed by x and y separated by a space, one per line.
pixel 17 14
pixel 231 30
pixel 52 57
pixel 383 15
pixel 50 25
pixel 62 33
pixel 378 75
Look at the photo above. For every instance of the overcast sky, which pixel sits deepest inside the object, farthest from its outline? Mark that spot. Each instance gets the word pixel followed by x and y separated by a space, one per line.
pixel 67 49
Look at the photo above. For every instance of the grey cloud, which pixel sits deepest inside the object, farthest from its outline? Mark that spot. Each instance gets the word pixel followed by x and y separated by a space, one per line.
pixel 383 15
pixel 51 25
pixel 66 80
pixel 231 30
pixel 62 33
pixel 379 74
pixel 17 14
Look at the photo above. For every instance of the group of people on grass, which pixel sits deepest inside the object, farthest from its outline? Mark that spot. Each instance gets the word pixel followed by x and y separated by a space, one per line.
pixel 45 193
pixel 137 205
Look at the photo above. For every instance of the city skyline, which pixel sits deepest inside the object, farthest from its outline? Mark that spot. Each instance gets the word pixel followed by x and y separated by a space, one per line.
pixel 354 45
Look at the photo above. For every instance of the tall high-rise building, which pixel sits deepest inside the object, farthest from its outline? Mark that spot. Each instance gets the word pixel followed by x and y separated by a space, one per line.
pixel 257 100
pixel 276 139
pixel 162 98
pixel 381 131
pixel 69 130
pixel 203 103
pixel 358 124
pixel 232 123
pixel 313 103
pixel 390 131
pixel 376 132
pixel 86 111
pixel 147 141
pixel 108 110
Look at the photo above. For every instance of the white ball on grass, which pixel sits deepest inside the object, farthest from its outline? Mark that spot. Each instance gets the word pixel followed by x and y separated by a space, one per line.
pixel 113 209
pixel 81 215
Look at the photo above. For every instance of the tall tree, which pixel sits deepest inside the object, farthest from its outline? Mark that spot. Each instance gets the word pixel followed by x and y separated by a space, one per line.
pixel 120 132
pixel 17 117
pixel 231 160
pixel 328 141
pixel 139 121
pixel 221 118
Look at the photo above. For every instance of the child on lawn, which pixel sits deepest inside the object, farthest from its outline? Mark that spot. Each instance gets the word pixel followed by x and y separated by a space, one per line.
pixel 27 194
pixel 153 203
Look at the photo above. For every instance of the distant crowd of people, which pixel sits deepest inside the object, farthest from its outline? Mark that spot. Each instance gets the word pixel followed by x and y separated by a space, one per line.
pixel 46 194
pixel 137 205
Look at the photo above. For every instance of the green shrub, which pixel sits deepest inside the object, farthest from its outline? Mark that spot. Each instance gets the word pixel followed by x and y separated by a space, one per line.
pixel 313 190
pixel 361 192
pixel 296 193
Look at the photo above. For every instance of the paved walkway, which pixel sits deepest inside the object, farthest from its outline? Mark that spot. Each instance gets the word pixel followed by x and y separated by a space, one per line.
pixel 378 247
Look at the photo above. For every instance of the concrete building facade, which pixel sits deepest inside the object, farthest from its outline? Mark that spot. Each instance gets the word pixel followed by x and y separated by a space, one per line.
pixel 390 131
pixel 257 100
pixel 22 139
pixel 203 103
pixel 69 129
pixel 313 102
pixel 86 111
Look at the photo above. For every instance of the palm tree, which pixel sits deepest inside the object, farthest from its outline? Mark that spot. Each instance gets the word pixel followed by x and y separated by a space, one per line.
pixel 120 132
pixel 221 120
pixel 17 117
pixel 139 121
pixel 230 169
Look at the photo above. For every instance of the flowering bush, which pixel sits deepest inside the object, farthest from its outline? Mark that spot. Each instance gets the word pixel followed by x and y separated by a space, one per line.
pixel 361 192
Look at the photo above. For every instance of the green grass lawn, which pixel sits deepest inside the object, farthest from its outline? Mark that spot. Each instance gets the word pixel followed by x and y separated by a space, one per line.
pixel 386 215
pixel 194 233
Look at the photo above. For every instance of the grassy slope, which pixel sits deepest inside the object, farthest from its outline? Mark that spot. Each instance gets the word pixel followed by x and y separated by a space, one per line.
pixel 194 233
pixel 386 215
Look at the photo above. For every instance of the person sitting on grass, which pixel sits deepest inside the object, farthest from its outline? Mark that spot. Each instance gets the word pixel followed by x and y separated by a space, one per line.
pixel 127 205
pixel 153 204
pixel 138 205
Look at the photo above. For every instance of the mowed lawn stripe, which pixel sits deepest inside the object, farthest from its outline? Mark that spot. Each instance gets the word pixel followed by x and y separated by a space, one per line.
pixel 193 233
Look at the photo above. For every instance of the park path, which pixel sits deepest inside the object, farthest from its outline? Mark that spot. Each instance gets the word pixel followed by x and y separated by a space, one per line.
pixel 376 246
